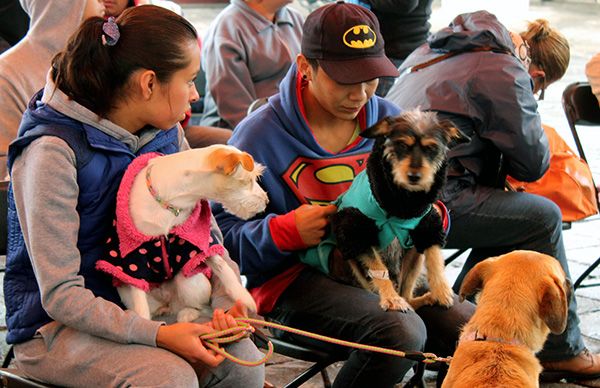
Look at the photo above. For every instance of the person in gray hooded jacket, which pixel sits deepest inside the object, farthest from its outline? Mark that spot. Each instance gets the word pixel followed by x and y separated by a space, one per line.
pixel 247 51
pixel 23 68
pixel 484 78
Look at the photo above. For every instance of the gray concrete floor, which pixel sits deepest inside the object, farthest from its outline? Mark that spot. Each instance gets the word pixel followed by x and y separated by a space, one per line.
pixel 580 23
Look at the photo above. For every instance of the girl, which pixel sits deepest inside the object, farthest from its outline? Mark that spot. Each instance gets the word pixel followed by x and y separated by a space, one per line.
pixel 118 90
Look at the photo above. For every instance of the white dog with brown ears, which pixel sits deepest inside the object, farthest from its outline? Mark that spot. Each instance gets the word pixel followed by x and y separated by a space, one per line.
pixel 524 297
pixel 163 250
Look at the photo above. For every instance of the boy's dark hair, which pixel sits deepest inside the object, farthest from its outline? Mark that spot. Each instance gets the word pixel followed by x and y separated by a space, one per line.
pixel 96 75
pixel 313 63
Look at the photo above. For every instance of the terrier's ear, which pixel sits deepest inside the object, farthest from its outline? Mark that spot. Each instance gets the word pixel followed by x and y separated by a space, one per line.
pixel 226 161
pixel 554 304
pixel 452 133
pixel 382 128
pixel 474 281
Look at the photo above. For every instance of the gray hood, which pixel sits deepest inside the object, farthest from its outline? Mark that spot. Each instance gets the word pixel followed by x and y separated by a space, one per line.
pixel 23 67
pixel 470 31
pixel 53 22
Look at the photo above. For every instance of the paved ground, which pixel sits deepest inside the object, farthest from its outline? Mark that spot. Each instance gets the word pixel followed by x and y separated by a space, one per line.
pixel 581 24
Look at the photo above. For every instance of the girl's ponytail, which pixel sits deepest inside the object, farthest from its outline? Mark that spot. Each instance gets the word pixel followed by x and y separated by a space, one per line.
pixel 95 72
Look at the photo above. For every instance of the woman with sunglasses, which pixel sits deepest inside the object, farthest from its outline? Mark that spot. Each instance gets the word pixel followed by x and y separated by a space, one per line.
pixel 485 78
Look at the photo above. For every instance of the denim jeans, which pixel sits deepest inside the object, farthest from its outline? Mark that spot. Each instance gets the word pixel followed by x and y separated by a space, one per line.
pixel 493 222
pixel 316 303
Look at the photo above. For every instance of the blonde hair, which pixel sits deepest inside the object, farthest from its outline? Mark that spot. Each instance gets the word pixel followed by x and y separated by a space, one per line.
pixel 549 49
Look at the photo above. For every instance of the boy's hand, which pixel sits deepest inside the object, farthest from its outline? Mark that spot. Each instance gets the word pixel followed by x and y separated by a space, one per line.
pixel 311 221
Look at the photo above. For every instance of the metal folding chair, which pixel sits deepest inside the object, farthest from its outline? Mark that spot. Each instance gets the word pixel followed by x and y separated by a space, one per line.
pixel 582 109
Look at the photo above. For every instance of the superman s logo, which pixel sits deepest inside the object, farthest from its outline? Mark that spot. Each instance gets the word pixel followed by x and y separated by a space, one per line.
pixel 321 181
pixel 360 37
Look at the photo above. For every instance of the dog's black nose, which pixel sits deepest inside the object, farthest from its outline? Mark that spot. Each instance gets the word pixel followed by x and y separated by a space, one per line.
pixel 414 177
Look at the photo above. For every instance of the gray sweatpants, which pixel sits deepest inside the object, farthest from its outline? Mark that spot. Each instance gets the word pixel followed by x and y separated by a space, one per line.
pixel 62 356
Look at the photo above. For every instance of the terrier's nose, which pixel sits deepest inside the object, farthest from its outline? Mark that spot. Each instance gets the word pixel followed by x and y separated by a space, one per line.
pixel 414 177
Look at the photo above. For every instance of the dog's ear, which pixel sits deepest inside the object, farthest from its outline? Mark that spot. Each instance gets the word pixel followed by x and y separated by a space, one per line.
pixel 452 133
pixel 473 282
pixel 382 128
pixel 226 161
pixel 554 304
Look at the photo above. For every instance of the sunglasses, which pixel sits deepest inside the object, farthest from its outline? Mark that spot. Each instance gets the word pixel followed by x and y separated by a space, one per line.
pixel 523 52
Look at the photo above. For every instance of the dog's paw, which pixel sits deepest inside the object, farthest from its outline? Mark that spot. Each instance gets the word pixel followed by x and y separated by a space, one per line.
pixel 443 297
pixel 162 310
pixel 395 303
pixel 188 314
pixel 250 304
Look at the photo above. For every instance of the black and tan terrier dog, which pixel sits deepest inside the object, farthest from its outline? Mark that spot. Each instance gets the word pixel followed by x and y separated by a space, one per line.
pixel 387 216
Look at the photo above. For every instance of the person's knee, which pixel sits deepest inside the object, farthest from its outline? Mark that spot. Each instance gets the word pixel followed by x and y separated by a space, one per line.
pixel 230 374
pixel 182 376
pixel 548 212
pixel 167 370
pixel 399 330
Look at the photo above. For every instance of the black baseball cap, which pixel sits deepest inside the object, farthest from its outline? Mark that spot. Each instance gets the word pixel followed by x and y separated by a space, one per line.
pixel 346 41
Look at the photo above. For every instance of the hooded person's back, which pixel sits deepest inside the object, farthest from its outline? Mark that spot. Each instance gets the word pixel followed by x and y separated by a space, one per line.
pixel 23 68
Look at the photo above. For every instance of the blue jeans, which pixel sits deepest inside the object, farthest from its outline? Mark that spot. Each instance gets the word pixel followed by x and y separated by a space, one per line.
pixel 316 303
pixel 493 222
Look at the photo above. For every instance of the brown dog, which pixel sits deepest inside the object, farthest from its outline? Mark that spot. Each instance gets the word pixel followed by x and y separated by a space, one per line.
pixel 524 297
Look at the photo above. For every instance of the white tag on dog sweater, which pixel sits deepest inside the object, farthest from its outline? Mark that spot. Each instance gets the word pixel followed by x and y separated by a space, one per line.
pixel 381 274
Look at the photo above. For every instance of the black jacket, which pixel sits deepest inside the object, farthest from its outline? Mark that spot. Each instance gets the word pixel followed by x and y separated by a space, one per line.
pixel 404 24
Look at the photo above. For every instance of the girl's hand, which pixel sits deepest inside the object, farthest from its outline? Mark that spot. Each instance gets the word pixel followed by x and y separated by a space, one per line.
pixel 183 339
pixel 226 320
pixel 239 310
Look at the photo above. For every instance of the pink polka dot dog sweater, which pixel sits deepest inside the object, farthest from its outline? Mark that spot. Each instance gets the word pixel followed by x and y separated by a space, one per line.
pixel 142 261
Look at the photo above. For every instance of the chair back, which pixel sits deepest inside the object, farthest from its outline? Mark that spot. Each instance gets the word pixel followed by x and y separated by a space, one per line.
pixel 581 108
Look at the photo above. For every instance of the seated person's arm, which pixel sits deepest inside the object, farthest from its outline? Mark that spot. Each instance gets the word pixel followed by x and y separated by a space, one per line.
pixel 513 124
pixel 201 136
pixel 266 244
pixel 228 78
pixel 50 225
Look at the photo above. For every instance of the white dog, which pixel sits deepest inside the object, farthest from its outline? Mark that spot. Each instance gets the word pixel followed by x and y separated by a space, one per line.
pixel 163 248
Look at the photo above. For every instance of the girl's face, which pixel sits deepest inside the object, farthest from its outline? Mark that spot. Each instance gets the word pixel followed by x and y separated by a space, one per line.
pixel 170 101
pixel 339 100
pixel 115 7
pixel 93 8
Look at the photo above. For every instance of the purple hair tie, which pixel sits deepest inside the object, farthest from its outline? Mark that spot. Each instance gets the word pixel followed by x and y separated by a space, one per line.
pixel 110 32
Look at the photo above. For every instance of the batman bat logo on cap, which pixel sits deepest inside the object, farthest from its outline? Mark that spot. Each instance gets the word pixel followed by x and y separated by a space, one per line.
pixel 360 37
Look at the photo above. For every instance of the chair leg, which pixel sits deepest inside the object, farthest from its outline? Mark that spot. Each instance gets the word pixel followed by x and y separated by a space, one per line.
pixel 585 274
pixel 307 374
pixel 418 380
pixel 8 358
pixel 325 377
pixel 455 256
pixel 441 375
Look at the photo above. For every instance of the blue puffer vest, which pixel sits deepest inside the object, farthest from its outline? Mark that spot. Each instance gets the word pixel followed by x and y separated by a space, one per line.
pixel 101 162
